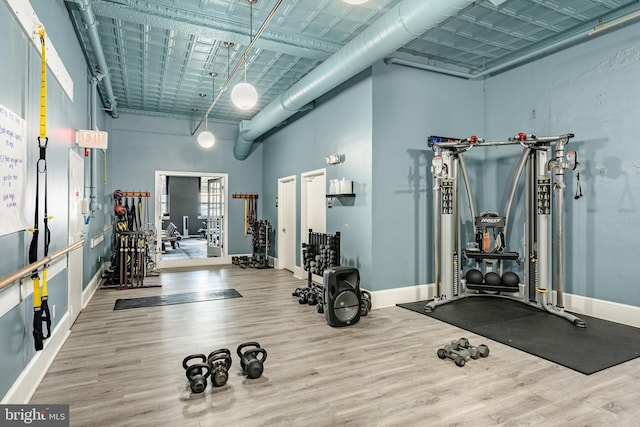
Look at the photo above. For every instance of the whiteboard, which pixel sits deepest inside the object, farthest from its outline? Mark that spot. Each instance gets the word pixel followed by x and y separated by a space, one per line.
pixel 13 165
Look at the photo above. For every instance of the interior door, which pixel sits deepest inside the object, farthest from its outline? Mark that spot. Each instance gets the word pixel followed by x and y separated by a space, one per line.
pixel 76 185
pixel 215 209
pixel 287 223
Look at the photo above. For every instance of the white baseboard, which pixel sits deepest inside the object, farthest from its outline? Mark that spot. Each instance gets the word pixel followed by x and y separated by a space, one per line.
pixel 602 309
pixel 299 273
pixel 195 262
pixel 93 285
pixel 25 386
pixel 391 297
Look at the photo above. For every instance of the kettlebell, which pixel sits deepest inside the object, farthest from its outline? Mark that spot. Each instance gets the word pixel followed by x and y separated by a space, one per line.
pixel 251 364
pixel 197 373
pixel 219 362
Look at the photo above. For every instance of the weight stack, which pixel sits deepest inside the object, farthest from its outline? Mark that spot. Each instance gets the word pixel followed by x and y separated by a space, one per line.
pixel 341 296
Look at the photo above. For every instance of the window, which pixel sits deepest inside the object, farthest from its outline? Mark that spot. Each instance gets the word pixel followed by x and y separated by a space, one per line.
pixel 164 195
pixel 216 196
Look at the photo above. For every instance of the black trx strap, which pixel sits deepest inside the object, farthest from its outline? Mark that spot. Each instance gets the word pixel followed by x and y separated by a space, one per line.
pixel 41 311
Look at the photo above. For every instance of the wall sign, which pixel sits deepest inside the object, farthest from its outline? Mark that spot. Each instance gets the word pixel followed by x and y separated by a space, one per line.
pixel 13 165
pixel 92 139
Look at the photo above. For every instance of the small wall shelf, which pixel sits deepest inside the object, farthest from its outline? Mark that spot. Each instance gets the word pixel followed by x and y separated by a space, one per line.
pixel 339 196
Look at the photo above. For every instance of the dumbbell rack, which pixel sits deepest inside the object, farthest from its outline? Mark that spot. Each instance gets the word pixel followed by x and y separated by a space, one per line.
pixel 321 253
pixel 260 230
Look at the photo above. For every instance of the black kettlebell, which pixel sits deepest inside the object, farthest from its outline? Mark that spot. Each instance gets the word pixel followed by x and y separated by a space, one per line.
pixel 251 364
pixel 197 373
pixel 219 362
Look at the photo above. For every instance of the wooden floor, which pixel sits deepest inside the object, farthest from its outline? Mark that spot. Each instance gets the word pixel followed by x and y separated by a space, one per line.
pixel 123 368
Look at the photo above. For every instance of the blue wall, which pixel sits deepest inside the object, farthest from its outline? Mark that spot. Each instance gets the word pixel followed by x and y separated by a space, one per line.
pixel 341 124
pixel 409 105
pixel 19 91
pixel 591 90
pixel 141 145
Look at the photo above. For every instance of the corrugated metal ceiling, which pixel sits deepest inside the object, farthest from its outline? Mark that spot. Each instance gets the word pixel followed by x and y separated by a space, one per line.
pixel 159 53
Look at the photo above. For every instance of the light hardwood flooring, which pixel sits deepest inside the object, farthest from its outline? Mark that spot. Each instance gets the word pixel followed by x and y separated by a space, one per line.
pixel 124 368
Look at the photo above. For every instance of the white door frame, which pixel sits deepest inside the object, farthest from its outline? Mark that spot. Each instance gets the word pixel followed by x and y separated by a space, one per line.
pixel 75 229
pixel 158 220
pixel 304 202
pixel 304 214
pixel 286 262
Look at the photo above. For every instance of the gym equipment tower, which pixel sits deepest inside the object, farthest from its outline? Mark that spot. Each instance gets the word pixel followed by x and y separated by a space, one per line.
pixel 544 175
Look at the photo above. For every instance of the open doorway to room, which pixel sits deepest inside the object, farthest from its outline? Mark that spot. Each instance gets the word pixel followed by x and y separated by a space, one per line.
pixel 191 218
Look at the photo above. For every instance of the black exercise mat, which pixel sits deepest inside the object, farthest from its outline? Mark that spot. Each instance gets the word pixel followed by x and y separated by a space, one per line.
pixel 171 299
pixel 601 345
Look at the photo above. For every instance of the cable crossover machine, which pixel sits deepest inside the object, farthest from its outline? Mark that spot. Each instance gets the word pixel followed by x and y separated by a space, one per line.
pixel 543 167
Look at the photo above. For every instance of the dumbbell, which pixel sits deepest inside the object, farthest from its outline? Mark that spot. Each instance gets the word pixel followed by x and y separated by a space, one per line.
pixel 444 354
pixel 464 353
pixel 312 299
pixel 475 352
pixel 251 364
pixel 219 362
pixel 197 373
pixel 302 297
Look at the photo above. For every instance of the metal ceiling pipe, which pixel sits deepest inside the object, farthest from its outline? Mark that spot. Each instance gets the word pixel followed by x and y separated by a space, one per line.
pixel 403 23
pixel 102 74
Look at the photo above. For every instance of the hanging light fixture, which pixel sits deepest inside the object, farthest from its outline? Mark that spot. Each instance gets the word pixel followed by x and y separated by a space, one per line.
pixel 244 96
pixel 206 138
pixel 355 1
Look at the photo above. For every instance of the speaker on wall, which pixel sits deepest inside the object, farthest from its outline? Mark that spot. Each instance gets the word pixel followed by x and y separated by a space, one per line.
pixel 341 289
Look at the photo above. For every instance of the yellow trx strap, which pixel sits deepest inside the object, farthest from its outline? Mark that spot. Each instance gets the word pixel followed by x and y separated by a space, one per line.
pixel 41 311
pixel 43 86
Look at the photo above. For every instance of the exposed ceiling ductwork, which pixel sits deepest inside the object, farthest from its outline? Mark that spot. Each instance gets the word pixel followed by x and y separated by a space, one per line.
pixel 406 21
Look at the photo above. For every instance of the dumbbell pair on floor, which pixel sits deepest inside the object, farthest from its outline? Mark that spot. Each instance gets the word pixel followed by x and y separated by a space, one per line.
pixel 216 366
pixel 460 351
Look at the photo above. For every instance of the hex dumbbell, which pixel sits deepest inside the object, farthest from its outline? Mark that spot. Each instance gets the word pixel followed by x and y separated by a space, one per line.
pixel 462 352
pixel 475 352
pixel 444 354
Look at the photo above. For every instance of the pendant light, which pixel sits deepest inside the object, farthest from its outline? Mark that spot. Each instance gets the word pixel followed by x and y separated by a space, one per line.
pixel 355 1
pixel 207 139
pixel 244 96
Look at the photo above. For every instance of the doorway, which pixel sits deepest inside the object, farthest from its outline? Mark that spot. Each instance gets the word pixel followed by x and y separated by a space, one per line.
pixel 287 223
pixel 195 203
pixel 76 184
pixel 313 212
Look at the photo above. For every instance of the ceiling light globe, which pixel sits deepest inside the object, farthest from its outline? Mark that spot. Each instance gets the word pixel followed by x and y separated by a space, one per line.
pixel 206 139
pixel 355 1
pixel 244 96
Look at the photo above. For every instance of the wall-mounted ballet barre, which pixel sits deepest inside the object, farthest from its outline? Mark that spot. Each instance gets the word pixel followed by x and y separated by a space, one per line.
pixel 28 270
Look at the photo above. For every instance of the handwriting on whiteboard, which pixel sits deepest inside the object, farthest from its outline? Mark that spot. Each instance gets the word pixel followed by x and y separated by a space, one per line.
pixel 13 154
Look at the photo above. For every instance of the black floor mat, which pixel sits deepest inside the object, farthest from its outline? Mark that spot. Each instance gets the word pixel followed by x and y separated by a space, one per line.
pixel 600 345
pixel 171 299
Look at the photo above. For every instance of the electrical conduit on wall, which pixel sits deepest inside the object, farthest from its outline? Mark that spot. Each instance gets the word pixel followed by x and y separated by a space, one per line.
pixel 406 21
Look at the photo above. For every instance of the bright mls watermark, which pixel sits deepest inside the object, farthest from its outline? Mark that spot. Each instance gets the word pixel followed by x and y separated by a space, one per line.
pixel 34 415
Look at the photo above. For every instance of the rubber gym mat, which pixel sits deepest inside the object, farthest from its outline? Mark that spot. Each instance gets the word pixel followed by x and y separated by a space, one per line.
pixel 171 299
pixel 601 345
